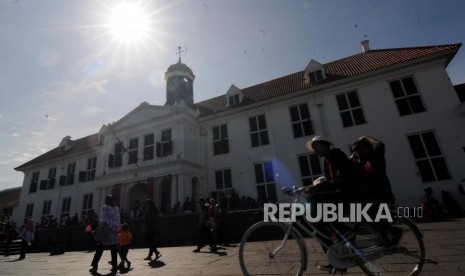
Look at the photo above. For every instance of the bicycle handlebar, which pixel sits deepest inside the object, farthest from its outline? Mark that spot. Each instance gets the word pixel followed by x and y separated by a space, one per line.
pixel 296 192
pixel 293 191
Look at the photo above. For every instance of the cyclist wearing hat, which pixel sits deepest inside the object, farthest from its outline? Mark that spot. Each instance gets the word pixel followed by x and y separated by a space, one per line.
pixel 341 174
pixel 341 179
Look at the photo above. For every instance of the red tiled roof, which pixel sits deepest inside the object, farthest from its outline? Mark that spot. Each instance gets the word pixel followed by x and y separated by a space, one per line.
pixel 368 61
pixel 10 197
pixel 81 144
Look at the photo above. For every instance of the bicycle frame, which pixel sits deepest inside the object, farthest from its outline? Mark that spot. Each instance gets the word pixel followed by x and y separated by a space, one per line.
pixel 309 229
pixel 362 245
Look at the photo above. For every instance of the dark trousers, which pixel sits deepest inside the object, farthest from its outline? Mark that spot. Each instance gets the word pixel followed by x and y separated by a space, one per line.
pixel 91 242
pixel 24 247
pixel 99 252
pixel 213 237
pixel 152 241
pixel 123 252
pixel 7 247
pixel 203 236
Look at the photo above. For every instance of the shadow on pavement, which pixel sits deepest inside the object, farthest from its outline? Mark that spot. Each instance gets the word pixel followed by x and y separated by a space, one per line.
pixel 125 270
pixel 15 260
pixel 156 264
pixel 217 252
pixel 99 274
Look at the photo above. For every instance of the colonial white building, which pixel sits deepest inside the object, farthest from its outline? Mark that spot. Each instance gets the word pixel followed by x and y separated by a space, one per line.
pixel 251 140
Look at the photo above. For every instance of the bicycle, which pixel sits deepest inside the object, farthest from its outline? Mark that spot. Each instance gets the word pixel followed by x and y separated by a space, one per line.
pixel 278 248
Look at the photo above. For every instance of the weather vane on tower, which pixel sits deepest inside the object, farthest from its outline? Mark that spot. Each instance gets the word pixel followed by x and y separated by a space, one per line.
pixel 179 53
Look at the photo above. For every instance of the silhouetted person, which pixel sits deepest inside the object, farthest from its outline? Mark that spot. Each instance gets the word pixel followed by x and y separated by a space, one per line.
pixel 152 228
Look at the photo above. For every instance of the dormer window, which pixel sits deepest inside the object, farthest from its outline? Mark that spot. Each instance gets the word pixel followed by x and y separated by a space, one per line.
pixel 314 72
pixel 233 100
pixel 233 96
pixel 65 145
pixel 315 76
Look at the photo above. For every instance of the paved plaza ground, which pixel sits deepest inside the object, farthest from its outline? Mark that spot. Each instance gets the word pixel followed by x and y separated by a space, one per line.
pixel 444 242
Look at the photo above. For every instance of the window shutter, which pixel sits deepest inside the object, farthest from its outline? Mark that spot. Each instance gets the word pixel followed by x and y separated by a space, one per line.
pixel 62 181
pixel 43 185
pixel 51 183
pixel 158 149
pixel 70 179
pixel 118 160
pixel 111 160
pixel 217 147
pixel 224 145
pixel 82 176
pixel 168 148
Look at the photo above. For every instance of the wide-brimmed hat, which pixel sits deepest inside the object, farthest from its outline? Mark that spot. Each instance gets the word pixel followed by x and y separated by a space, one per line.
pixel 317 138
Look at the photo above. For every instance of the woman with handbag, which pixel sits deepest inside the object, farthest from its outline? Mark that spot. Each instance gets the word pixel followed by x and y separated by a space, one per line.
pixel 106 234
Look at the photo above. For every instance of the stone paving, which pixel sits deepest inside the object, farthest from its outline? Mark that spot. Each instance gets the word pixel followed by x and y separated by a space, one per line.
pixel 444 242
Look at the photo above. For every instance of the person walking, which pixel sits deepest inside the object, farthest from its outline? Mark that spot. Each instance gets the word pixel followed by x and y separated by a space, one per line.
pixel 213 210
pixel 106 233
pixel 125 240
pixel 27 237
pixel 204 229
pixel 368 152
pixel 152 229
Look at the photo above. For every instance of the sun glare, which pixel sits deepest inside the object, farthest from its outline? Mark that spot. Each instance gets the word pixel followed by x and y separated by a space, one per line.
pixel 129 23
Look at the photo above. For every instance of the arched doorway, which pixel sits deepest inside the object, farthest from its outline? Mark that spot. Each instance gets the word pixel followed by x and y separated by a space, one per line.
pixel 165 196
pixel 137 195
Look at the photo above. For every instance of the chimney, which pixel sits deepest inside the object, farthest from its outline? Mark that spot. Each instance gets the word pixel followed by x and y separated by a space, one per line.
pixel 364 45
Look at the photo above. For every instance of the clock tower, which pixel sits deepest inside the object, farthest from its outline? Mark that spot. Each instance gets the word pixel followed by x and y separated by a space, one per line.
pixel 179 83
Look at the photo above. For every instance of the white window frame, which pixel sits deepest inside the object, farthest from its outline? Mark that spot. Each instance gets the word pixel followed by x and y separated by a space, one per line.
pixel 87 203
pixel 351 109
pixel 259 131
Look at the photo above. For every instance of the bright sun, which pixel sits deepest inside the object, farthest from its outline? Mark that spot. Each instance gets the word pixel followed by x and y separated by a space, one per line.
pixel 129 23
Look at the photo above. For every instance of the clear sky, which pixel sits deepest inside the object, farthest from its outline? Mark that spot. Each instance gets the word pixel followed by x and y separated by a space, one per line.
pixel 68 67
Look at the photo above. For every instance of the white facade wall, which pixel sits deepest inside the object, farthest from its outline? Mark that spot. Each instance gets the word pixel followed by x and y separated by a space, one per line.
pixel 442 116
pixel 58 193
pixel 193 159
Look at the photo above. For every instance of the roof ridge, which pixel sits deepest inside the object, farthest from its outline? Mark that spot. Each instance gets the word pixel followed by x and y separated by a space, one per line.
pixel 336 60
pixel 415 47
pixel 355 64
pixel 53 153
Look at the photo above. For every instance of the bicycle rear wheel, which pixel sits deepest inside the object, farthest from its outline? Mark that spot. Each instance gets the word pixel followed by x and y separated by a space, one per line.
pixel 407 257
pixel 261 240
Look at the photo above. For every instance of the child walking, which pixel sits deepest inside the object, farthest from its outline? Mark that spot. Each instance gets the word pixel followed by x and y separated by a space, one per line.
pixel 125 240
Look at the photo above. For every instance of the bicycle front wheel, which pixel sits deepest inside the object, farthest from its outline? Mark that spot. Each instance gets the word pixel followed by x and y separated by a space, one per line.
pixel 265 249
pixel 406 257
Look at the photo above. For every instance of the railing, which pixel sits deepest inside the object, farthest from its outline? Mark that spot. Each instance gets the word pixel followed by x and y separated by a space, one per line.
pixel 175 230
